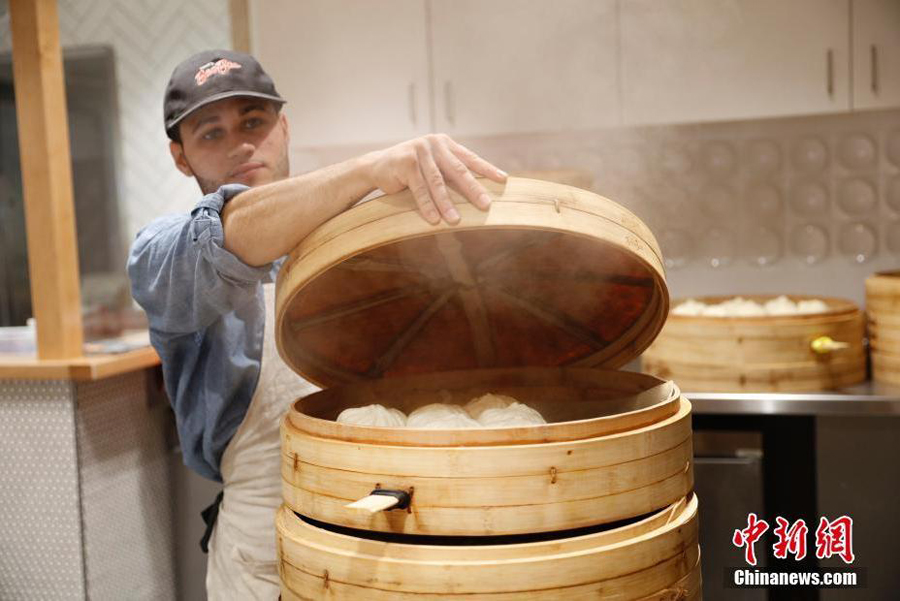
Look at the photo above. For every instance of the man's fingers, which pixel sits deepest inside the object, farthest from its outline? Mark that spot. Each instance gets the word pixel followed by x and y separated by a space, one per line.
pixel 419 190
pixel 476 163
pixel 434 179
pixel 462 179
pixel 428 165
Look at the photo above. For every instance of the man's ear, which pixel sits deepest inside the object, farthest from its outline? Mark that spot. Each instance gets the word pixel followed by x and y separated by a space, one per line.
pixel 177 151
pixel 282 119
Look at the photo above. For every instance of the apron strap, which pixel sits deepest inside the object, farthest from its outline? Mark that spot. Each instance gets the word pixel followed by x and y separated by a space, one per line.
pixel 209 518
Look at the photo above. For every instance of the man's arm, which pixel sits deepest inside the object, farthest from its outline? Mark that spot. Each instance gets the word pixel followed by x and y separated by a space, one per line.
pixel 181 274
pixel 267 222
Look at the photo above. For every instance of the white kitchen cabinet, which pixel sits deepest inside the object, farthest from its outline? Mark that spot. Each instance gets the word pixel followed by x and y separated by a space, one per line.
pixel 707 60
pixel 353 72
pixel 876 54
pixel 515 66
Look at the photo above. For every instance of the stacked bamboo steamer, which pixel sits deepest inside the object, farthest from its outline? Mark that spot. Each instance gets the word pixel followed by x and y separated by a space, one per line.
pixel 883 311
pixel 784 353
pixel 540 298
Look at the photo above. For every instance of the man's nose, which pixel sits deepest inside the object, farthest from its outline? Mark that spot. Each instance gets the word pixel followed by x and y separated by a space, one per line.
pixel 242 150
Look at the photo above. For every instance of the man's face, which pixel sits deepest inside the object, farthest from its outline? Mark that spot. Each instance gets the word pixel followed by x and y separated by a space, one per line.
pixel 235 140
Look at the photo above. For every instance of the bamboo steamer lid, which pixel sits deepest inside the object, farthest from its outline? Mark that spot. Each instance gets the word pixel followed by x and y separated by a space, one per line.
pixel 550 275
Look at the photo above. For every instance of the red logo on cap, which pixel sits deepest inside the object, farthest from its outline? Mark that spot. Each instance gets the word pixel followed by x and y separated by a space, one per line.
pixel 220 67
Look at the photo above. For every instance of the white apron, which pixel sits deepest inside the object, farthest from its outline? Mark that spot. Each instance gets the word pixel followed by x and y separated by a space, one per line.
pixel 242 562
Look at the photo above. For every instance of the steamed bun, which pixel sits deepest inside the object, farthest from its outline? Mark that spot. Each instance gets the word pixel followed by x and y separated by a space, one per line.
pixel 480 404
pixel 689 307
pixel 516 414
pixel 373 415
pixel 440 415
pixel 781 306
pixel 812 306
pixel 741 307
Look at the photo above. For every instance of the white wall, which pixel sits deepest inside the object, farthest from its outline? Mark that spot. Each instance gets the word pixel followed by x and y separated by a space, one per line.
pixel 148 37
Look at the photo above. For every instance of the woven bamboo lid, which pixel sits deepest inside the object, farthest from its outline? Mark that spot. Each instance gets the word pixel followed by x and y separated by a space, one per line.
pixel 550 275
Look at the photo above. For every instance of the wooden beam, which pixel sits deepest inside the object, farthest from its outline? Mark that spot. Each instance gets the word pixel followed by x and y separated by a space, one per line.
pixel 240 25
pixel 46 177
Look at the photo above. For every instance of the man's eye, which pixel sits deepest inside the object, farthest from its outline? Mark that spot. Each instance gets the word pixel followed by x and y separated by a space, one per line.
pixel 251 123
pixel 212 134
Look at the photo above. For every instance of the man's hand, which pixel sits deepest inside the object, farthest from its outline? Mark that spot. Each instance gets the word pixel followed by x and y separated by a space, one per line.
pixel 267 222
pixel 426 166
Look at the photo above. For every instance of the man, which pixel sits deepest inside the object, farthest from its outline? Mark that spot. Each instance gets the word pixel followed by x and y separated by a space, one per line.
pixel 205 280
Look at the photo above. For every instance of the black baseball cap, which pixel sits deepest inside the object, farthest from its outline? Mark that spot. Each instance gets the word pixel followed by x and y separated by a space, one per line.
pixel 213 75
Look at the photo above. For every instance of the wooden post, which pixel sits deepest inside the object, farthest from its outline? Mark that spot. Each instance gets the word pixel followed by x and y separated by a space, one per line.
pixel 240 25
pixel 46 177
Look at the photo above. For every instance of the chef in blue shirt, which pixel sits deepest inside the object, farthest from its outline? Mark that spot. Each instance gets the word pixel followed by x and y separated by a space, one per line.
pixel 206 278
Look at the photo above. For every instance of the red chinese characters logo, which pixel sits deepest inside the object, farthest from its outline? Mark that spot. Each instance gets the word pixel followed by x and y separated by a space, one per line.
pixel 219 67
pixel 791 538
pixel 835 538
pixel 748 537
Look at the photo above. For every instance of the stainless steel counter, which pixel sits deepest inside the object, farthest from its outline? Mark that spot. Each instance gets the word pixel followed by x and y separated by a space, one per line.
pixel 866 399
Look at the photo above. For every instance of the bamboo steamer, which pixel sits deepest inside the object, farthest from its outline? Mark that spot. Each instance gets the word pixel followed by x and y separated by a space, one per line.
pixel 621 447
pixel 762 354
pixel 655 558
pixel 541 297
pixel 883 313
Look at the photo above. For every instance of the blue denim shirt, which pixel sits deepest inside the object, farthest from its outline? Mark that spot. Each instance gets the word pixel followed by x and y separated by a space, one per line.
pixel 207 321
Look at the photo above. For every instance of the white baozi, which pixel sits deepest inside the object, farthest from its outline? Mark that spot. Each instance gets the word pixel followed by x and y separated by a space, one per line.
pixel 516 414
pixel 480 404
pixel 373 415
pixel 689 307
pixel 741 307
pixel 781 305
pixel 811 306
pixel 440 415
pixel 491 410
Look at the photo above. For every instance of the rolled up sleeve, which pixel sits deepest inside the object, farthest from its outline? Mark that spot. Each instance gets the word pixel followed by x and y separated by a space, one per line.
pixel 181 273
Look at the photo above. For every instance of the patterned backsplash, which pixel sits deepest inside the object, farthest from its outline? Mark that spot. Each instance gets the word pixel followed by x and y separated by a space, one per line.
pixel 799 205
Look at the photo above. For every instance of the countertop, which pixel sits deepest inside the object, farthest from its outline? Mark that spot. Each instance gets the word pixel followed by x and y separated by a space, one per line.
pixel 866 399
pixel 87 368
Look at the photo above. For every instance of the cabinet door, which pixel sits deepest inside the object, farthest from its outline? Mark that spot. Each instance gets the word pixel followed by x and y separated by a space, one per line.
pixel 515 66
pixel 353 72
pixel 876 53
pixel 706 60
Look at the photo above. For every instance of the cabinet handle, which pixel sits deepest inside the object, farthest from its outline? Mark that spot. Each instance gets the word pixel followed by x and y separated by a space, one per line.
pixel 829 59
pixel 411 96
pixel 873 54
pixel 449 105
